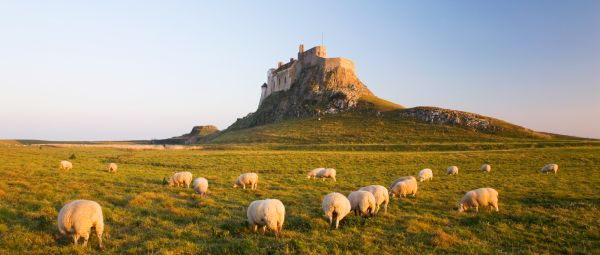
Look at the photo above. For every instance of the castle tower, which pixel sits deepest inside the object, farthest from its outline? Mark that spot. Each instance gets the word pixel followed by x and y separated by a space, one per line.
pixel 300 50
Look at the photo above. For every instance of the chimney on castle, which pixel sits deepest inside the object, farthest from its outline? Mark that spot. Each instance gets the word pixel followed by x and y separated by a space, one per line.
pixel 301 48
pixel 279 64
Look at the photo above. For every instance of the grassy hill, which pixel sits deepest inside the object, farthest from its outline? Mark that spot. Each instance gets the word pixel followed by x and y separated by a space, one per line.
pixel 356 128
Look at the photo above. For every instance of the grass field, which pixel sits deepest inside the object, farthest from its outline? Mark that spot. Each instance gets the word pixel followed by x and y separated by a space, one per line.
pixel 539 213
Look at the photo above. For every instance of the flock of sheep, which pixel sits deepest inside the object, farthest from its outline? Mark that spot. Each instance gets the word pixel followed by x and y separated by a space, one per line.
pixel 78 217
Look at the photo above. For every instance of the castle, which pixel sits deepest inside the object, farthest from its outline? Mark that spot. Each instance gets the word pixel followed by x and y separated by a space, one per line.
pixel 282 77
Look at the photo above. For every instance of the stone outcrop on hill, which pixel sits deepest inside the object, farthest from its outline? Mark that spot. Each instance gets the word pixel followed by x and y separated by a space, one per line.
pixel 197 134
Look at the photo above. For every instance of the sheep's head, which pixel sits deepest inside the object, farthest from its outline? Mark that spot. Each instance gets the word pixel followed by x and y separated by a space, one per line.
pixel 461 207
pixel 164 181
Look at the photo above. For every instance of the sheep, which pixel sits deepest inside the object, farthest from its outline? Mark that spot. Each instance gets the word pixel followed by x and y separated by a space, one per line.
pixel 247 179
pixel 327 173
pixel 486 168
pixel 77 219
pixel 550 168
pixel 362 203
pixel 403 178
pixel 404 188
pixel 200 186
pixel 425 175
pixel 479 197
pixel 65 165
pixel 179 179
pixel 335 206
pixel 313 173
pixel 452 170
pixel 112 167
pixel 268 213
pixel 381 196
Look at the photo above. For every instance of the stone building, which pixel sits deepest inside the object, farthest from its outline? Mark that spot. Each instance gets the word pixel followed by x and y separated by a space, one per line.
pixel 282 77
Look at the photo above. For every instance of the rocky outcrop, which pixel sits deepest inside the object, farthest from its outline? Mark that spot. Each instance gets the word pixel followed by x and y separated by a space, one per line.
pixel 316 91
pixel 467 120
pixel 197 134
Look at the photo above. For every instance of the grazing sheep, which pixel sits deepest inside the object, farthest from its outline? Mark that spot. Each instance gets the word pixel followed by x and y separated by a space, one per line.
pixel 452 170
pixel 403 178
pixel 268 213
pixel 336 206
pixel 65 165
pixel 550 168
pixel 250 179
pixel 313 173
pixel 381 196
pixel 404 188
pixel 77 219
pixel 200 186
pixel 486 168
pixel 479 197
pixel 362 203
pixel 425 175
pixel 326 173
pixel 179 179
pixel 112 167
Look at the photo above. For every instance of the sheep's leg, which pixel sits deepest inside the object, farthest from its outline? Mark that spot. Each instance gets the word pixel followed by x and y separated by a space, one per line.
pixel 476 209
pixel 264 229
pixel 385 208
pixel 99 235
pixel 86 237
pixel 244 186
pixel 330 220
pixel 337 223
pixel 334 179
pixel 75 238
pixel 496 206
pixel 254 227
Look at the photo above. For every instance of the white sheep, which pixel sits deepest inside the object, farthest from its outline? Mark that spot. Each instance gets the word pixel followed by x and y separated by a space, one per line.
pixel 404 188
pixel 381 196
pixel 179 179
pixel 326 173
pixel 313 173
pixel 200 186
pixel 77 219
pixel 247 179
pixel 479 197
pixel 112 167
pixel 336 206
pixel 425 175
pixel 452 170
pixel 268 213
pixel 65 165
pixel 550 168
pixel 403 178
pixel 362 203
pixel 486 168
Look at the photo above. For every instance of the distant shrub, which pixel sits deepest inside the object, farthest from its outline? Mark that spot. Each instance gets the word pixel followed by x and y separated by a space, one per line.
pixel 72 156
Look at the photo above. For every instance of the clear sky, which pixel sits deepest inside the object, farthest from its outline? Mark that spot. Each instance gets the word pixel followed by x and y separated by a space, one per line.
pixel 115 70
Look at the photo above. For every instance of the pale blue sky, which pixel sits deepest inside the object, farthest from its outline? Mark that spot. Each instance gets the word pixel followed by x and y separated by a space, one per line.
pixel 115 70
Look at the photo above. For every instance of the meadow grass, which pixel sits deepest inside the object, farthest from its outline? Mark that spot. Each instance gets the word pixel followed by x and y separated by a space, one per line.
pixel 539 213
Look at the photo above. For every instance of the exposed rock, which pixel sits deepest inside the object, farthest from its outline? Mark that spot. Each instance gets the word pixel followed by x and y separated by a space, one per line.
pixel 197 134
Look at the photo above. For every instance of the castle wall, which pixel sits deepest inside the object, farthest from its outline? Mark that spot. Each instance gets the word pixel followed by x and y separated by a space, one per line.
pixel 333 63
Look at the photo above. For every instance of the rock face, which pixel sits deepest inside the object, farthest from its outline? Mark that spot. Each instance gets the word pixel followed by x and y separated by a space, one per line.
pixel 197 134
pixel 317 90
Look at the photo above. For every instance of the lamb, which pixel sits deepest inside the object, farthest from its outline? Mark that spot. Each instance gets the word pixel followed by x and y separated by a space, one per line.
pixel 268 213
pixel 404 188
pixel 362 203
pixel 335 206
pixel 326 173
pixel 550 168
pixel 250 179
pixel 403 178
pixel 200 186
pixel 381 196
pixel 77 219
pixel 452 170
pixel 65 165
pixel 486 168
pixel 179 179
pixel 479 197
pixel 425 175
pixel 112 167
pixel 313 173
